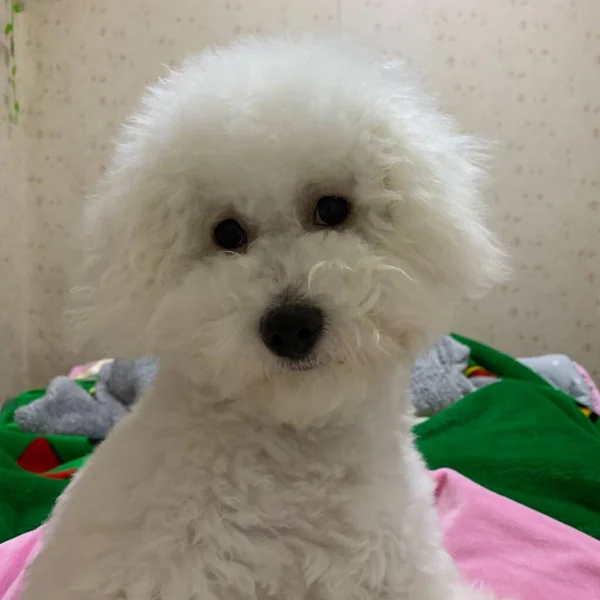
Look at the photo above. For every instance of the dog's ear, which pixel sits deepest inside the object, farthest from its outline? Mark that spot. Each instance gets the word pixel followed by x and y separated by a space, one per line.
pixel 437 174
pixel 128 254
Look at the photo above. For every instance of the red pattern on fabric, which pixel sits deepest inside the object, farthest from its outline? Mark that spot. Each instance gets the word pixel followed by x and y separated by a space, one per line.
pixel 39 457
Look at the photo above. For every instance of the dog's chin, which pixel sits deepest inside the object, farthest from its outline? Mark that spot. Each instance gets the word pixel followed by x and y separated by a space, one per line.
pixel 311 393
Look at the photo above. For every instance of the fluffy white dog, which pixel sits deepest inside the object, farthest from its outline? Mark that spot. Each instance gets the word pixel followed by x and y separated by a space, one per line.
pixel 285 225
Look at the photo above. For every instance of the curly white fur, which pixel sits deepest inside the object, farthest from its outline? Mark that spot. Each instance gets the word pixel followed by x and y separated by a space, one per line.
pixel 237 477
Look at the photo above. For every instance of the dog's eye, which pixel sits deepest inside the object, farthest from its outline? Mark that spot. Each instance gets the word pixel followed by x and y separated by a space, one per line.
pixel 230 235
pixel 331 211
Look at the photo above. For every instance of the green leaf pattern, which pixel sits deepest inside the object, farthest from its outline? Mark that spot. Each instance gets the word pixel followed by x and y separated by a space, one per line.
pixel 9 31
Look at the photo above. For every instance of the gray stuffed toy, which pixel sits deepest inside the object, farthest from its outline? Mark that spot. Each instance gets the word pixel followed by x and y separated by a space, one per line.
pixel 68 409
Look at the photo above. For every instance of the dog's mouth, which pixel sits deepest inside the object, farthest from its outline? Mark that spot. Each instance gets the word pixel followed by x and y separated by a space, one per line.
pixel 304 365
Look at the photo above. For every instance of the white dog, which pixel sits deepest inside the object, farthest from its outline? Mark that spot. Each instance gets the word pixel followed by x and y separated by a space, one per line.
pixel 285 225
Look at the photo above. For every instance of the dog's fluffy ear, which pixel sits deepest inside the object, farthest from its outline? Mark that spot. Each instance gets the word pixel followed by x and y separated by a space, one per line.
pixel 437 174
pixel 129 251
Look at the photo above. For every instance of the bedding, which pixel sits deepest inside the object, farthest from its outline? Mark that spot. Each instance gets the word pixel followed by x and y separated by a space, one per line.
pixel 532 557
pixel 514 463
pixel 522 439
pixel 518 552
pixel 34 470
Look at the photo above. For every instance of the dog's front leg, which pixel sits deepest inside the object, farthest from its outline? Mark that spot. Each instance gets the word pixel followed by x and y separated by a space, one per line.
pixel 118 533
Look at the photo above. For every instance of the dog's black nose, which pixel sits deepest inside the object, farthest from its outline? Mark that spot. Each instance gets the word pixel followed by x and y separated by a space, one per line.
pixel 292 330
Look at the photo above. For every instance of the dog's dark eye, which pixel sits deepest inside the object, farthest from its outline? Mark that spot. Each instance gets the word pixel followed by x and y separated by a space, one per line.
pixel 230 235
pixel 331 211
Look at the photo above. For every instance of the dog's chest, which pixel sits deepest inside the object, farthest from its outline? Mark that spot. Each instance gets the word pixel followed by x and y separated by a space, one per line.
pixel 311 533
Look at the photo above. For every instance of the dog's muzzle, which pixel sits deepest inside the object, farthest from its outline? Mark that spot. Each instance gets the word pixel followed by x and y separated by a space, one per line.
pixel 292 330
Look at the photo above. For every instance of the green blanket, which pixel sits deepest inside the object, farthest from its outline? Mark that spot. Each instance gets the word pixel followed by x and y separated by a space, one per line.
pixel 34 470
pixel 523 439
pixel 518 437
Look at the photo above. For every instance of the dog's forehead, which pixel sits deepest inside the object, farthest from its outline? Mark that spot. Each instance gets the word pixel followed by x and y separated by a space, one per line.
pixel 262 157
pixel 270 176
pixel 253 131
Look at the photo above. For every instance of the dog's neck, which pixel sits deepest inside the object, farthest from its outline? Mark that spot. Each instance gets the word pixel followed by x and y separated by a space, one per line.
pixel 221 429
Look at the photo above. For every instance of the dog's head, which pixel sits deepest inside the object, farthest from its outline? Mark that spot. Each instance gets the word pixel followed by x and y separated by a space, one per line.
pixel 284 222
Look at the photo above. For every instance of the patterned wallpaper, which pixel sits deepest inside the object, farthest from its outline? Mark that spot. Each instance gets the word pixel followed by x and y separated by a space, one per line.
pixel 13 200
pixel 523 73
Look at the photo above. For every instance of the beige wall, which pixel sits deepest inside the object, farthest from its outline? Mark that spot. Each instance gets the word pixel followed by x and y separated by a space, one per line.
pixel 525 73
pixel 13 276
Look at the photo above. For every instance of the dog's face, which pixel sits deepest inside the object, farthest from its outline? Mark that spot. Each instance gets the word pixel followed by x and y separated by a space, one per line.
pixel 284 223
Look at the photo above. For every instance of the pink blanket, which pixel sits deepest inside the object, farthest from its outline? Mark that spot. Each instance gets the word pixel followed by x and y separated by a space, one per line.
pixel 594 391
pixel 15 555
pixel 516 551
